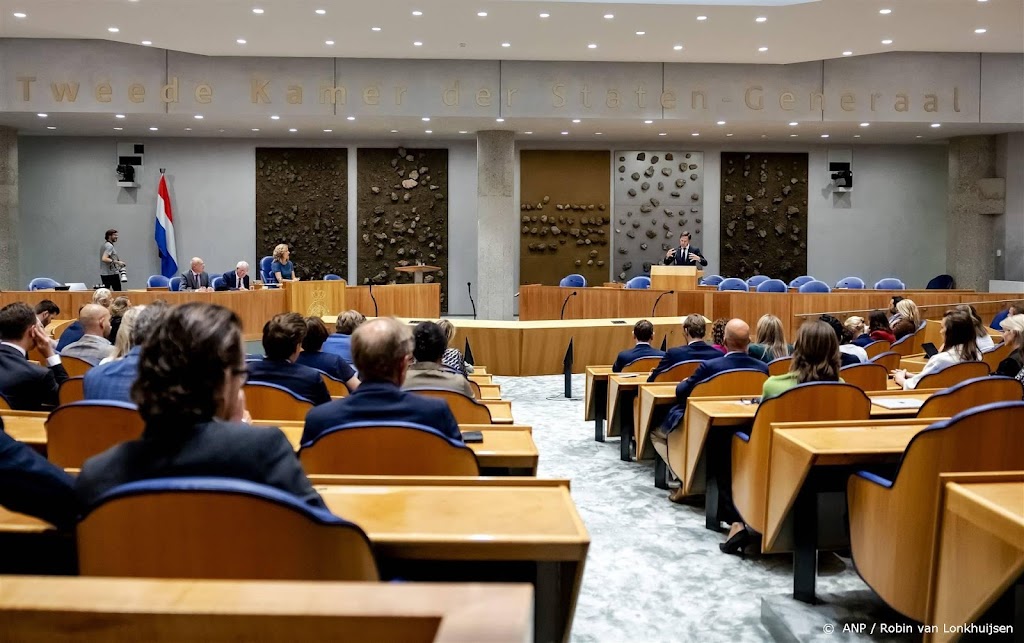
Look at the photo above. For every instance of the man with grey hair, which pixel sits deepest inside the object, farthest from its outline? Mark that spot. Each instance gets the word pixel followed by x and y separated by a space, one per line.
pixel 94 345
pixel 113 381
pixel 196 278
pixel 382 352
pixel 237 279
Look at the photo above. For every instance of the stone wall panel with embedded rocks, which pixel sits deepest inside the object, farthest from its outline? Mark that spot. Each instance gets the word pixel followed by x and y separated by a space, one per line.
pixel 402 215
pixel 764 215
pixel 658 195
pixel 302 200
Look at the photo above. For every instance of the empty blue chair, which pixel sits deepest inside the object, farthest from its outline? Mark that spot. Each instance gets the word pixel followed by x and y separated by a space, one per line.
pixel 732 283
pixel 889 283
pixel 217 283
pixel 40 283
pixel 851 283
pixel 772 285
pixel 757 280
pixel 639 283
pixel 573 281
pixel 175 284
pixel 942 282
pixel 331 277
pixel 712 280
pixel 158 281
pixel 815 286
pixel 268 277
pixel 799 281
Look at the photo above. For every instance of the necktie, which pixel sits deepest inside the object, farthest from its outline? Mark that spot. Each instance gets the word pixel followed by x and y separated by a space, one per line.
pixel 686 253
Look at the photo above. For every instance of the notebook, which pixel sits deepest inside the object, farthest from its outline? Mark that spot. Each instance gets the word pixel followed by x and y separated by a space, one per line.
pixel 895 403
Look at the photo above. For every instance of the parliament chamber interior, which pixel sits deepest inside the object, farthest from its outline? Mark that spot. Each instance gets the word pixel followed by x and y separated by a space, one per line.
pixel 491 320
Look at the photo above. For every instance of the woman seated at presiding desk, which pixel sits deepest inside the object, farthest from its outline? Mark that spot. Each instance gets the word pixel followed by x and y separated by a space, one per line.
pixel 770 343
pixel 282 268
pixel 959 344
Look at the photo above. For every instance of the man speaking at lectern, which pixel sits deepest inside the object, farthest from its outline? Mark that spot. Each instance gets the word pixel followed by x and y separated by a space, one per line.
pixel 685 254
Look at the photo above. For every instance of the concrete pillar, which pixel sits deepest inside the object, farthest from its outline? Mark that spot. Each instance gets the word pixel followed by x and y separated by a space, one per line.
pixel 10 274
pixel 497 224
pixel 970 254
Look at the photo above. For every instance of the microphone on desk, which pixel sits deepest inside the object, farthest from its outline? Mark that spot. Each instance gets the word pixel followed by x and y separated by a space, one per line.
pixel 561 315
pixel 667 292
pixel 469 287
pixel 374 301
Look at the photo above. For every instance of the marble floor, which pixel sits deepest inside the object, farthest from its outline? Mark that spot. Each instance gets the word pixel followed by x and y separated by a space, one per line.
pixel 654 573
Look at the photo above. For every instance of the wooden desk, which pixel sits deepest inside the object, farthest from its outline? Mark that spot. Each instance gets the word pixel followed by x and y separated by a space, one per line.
pixel 34 608
pixel 595 398
pixel 677 278
pixel 415 301
pixel 538 303
pixel 655 400
pixel 316 298
pixel 980 554
pixel 622 389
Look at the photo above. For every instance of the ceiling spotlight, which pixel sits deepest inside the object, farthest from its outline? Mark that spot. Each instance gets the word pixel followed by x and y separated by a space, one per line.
pixel 240 41
pixel 50 127
pixel 885 12
pixel 527 132
pixel 856 135
pixel 462 131
pixel 351 118
pixel 592 46
pixel 662 133
pixel 425 119
pixel 545 15
pixel 865 124
pixel 417 44
pixel 695 134
pixel 189 129
pixel 41 115
pixel 936 124
pixel 598 133
pixel 721 123
pixel 429 131
pixel 255 129
pixel 565 133
pixel 113 29
pixel 701 18
pixel 918 136
pixel 374 28
pixel 506 44
pixel 258 11
pixel 18 14
pixel 980 30
pixel 275 117
pixel 641 33
pixel 118 129
pixel 147 42
pixel 847 53
pixel 887 41
pixel 328 42
pixel 760 19
pixel 292 129
pixel 762 49
pixel 729 134
pixel 481 14
pixel 499 120
pixel 328 130
pixel 198 117
pixel 118 115
pixel 824 135
pixel 648 122
pixel 153 129
pixel 678 47
pixel 575 120
pixel 417 13
pixel 793 135
pixel 394 131
pixel 320 12
pixel 609 16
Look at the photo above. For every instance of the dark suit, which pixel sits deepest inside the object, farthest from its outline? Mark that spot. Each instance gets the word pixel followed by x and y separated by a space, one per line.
pixel 71 334
pixel 213 448
pixel 231 281
pixel 699 350
pixel 28 386
pixel 681 259
pixel 704 372
pixel 328 363
pixel 301 380
pixel 29 484
pixel 382 402
pixel 189 281
pixel 632 354
pixel 846 359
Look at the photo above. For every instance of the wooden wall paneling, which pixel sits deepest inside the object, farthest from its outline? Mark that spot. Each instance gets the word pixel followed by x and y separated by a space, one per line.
pixel 420 301
pixel 496 345
pixel 545 303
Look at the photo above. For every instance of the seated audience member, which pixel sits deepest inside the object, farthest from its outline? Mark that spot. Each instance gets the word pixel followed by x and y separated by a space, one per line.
pixel 878 327
pixel 848 353
pixel 74 331
pixel 453 358
pixel 894 313
pixel 282 340
pixel 313 357
pixel 189 393
pixel 27 386
pixel 237 279
pixel 771 340
pixel 196 278
pixel 858 330
pixel 382 349
pixel 1013 336
pixel 29 484
pixel 94 345
pixel 815 359
pixel 958 345
pixel 117 310
pixel 123 341
pixel 737 340
pixel 643 332
pixel 1016 308
pixel 984 340
pixel 718 334
pixel 340 343
pixel 909 319
pixel 429 344
pixel 114 380
pixel 695 327
pixel 46 312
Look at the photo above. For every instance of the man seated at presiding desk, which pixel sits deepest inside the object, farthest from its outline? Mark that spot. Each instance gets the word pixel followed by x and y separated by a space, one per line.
pixel 382 349
pixel 737 340
pixel 114 380
pixel 189 394
pixel 685 254
pixel 237 279
pixel 94 345
pixel 196 278
pixel 695 327
pixel 29 484
pixel 313 356
pixel 429 345
pixel 282 340
pixel 643 333
pixel 27 386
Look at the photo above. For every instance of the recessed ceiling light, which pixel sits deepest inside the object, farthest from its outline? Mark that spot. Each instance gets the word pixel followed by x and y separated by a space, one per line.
pixel 50 127
pixel 721 122
pixel 565 133
pixel 506 44
pixel 329 42
pixel 118 115
pixel 592 46
pixel 292 129
pixel 764 136
pixel 41 115
pixel 793 124
pixel 257 11
pixel 885 12
pixel 417 44
pixel 545 15
pixel 417 13
pixel 374 28
pixel 527 132
pixel 936 124
pixel 598 133
pixel 662 133
pixel 980 30
pixel 350 118
pixel 189 129
pixel 462 131
pixel 481 14
pixel 865 124
pixel 887 41
pixel 702 18
pixel 695 134
pixel 429 131
pixel 824 135
pixel 847 53
pixel 275 117
pixel 328 130
pixel 760 19
pixel 499 120
pixel 575 120
pixel 678 47
pixel 648 122
pixel 153 129
pixel 320 12
pixel 18 14
pixel 729 134
pixel 425 119
pixel 793 135
pixel 113 29
pixel 856 135
pixel 118 129
pixel 240 41
pixel 641 33
pixel 918 136
pixel 147 42
pixel 198 117
pixel 394 131
pixel 609 16
pixel 762 49
pixel 255 129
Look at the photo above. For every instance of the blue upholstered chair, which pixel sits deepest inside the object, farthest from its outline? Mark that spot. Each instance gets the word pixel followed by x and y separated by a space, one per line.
pixel 799 281
pixel 892 521
pixel 851 283
pixel 732 283
pixel 217 283
pixel 711 280
pixel 41 283
pixel 772 285
pixel 1000 316
pixel 268 277
pixel 248 531
pixel 639 283
pixel 175 284
pixel 942 282
pixel 889 283
pixel 331 277
pixel 158 281
pixel 387 448
pixel 573 281
pixel 757 280
pixel 815 286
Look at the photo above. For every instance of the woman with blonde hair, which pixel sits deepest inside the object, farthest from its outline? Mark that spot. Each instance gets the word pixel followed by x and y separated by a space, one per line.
pixel 123 340
pixel 117 309
pixel 858 330
pixel 282 268
pixel 453 359
pixel 984 340
pixel 1013 336
pixel 771 340
pixel 909 319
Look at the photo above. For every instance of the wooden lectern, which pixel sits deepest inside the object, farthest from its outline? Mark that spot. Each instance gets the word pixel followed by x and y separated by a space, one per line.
pixel 675 277
pixel 417 271
pixel 316 298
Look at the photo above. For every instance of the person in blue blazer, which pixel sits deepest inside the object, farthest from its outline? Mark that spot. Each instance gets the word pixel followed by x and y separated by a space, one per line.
pixel 29 484
pixel 695 327
pixel 282 339
pixel 382 350
pixel 643 333
pixel 313 356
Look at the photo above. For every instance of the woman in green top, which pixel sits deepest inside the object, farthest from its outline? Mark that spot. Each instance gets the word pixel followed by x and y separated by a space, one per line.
pixel 771 340
pixel 815 359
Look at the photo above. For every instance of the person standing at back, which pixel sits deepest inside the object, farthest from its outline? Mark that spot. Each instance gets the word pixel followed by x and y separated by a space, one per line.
pixel 685 254
pixel 110 263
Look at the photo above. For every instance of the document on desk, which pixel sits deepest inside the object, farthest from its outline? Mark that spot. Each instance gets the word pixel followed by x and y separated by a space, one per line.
pixel 895 403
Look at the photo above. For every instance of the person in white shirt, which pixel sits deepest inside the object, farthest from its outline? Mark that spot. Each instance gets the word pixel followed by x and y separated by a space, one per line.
pixel 985 341
pixel 959 344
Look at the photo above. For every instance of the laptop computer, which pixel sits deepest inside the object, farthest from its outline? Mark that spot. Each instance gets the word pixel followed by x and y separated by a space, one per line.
pixel 76 286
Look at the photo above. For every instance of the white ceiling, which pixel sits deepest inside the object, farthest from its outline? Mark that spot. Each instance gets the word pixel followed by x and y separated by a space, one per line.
pixel 806 30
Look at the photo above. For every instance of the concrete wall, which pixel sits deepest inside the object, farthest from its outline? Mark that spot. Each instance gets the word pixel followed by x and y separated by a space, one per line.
pixel 1009 227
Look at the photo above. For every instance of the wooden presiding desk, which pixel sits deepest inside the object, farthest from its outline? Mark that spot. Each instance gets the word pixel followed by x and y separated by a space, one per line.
pixel 677 278
pixel 538 302
pixel 34 608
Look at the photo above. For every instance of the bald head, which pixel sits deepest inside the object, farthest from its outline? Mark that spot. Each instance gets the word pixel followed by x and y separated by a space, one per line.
pixel 95 319
pixel 737 335
pixel 382 350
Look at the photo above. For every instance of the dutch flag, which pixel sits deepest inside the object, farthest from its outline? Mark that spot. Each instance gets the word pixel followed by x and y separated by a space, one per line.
pixel 164 231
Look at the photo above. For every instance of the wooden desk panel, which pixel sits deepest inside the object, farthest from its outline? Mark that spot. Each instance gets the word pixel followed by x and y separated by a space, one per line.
pixel 414 301
pixel 315 298
pixel 538 303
